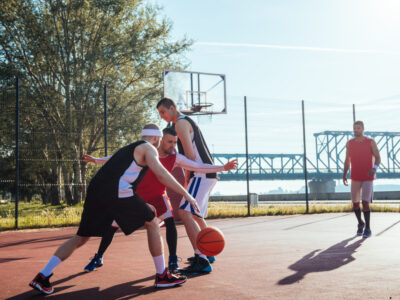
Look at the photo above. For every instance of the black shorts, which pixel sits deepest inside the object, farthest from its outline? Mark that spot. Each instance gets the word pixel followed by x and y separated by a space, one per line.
pixel 130 214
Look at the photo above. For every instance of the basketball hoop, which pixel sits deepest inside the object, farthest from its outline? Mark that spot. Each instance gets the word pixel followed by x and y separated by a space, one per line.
pixel 198 107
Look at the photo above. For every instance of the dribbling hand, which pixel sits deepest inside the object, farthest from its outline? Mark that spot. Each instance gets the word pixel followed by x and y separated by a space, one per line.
pixel 193 202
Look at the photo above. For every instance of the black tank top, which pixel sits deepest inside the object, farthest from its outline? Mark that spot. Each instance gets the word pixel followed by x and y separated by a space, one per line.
pixel 106 181
pixel 201 146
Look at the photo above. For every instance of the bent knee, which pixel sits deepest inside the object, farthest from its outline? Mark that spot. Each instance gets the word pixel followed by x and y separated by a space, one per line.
pixel 152 223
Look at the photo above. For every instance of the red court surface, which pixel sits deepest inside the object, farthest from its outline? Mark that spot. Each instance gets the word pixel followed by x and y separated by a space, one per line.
pixel 282 257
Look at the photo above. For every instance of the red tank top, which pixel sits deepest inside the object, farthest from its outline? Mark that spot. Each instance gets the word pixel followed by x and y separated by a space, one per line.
pixel 361 159
pixel 150 187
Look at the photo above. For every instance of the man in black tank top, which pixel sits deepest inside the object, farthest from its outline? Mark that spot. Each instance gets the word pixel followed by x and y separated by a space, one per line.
pixel 111 197
pixel 191 143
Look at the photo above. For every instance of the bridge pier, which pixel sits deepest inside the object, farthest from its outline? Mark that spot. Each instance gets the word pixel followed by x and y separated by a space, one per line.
pixel 322 186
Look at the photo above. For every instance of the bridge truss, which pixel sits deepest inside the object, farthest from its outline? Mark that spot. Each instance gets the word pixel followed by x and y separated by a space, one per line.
pixel 330 149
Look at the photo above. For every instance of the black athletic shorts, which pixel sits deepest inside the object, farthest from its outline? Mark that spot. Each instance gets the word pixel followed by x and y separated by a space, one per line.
pixel 130 214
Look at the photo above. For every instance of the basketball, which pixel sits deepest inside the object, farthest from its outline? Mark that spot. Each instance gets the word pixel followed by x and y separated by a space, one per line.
pixel 210 241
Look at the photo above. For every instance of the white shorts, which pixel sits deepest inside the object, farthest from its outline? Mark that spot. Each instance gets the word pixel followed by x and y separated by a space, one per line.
pixel 200 188
pixel 363 190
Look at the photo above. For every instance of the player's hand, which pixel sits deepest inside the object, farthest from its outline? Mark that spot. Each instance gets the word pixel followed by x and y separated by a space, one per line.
pixel 345 180
pixel 193 202
pixel 372 172
pixel 88 158
pixel 230 165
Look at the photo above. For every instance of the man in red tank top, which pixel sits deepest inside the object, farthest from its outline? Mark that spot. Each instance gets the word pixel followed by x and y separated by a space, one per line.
pixel 363 156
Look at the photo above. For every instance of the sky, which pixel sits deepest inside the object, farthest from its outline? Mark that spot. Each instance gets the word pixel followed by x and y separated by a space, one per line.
pixel 330 53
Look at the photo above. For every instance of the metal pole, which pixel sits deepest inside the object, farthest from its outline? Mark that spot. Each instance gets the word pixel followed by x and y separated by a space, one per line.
pixel 354 113
pixel 105 120
pixel 247 156
pixel 305 154
pixel 16 151
pixel 191 89
pixel 198 88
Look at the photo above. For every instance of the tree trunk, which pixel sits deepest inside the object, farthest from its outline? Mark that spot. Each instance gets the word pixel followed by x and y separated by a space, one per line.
pixel 77 187
pixel 67 186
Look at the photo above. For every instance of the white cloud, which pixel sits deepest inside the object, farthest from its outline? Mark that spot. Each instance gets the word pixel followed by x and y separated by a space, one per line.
pixel 295 48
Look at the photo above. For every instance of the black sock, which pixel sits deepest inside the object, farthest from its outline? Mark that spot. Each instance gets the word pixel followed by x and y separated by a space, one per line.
pixel 171 235
pixel 358 215
pixel 366 217
pixel 106 240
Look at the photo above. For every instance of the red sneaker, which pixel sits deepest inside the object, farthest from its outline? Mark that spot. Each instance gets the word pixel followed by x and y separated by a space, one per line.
pixel 167 279
pixel 42 284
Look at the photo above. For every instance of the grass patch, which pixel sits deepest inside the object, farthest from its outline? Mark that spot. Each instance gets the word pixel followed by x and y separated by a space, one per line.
pixel 226 210
pixel 37 215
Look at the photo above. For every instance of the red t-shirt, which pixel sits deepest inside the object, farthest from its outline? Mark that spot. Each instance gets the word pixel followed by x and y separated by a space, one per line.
pixel 150 187
pixel 361 159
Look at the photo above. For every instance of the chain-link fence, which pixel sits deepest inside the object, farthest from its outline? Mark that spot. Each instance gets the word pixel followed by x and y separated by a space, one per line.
pixel 43 177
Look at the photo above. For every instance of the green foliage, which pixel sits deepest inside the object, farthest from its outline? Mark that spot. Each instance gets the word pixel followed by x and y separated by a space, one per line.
pixel 64 53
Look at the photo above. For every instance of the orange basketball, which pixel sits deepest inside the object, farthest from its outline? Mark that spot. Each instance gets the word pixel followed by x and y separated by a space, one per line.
pixel 210 241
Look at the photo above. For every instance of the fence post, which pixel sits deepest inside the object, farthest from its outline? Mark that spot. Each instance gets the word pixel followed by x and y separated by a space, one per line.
pixel 16 150
pixel 105 120
pixel 305 154
pixel 247 156
pixel 354 113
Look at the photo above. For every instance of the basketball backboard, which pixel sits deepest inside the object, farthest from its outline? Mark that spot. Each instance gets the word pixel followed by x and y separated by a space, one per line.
pixel 196 93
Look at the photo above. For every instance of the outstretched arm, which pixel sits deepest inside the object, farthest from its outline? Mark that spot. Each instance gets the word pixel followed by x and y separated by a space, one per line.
pixel 187 164
pixel 152 161
pixel 95 160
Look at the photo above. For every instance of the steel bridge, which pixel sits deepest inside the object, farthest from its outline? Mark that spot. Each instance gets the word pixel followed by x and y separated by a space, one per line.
pixel 330 149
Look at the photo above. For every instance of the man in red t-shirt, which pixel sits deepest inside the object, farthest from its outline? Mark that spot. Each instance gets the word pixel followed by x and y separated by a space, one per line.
pixel 153 192
pixel 363 156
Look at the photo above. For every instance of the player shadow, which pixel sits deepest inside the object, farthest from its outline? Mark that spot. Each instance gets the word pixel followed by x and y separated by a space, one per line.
pixel 8 259
pixel 330 259
pixel 36 240
pixel 126 290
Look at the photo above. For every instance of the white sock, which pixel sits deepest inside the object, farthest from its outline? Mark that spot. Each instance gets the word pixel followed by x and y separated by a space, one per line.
pixel 159 263
pixel 51 265
pixel 197 251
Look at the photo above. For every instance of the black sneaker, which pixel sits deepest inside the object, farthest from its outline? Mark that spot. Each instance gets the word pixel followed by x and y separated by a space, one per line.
pixel 42 284
pixel 167 279
pixel 173 264
pixel 198 266
pixel 367 233
pixel 96 262
pixel 360 228
pixel 211 259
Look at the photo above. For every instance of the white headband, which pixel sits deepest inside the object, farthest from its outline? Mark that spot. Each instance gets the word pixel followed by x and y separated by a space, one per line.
pixel 151 132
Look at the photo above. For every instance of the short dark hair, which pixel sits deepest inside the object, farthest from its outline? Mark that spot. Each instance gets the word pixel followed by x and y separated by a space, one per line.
pixel 361 123
pixel 166 102
pixel 170 131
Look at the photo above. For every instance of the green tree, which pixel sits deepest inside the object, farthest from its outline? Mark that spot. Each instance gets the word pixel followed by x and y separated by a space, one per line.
pixel 65 52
